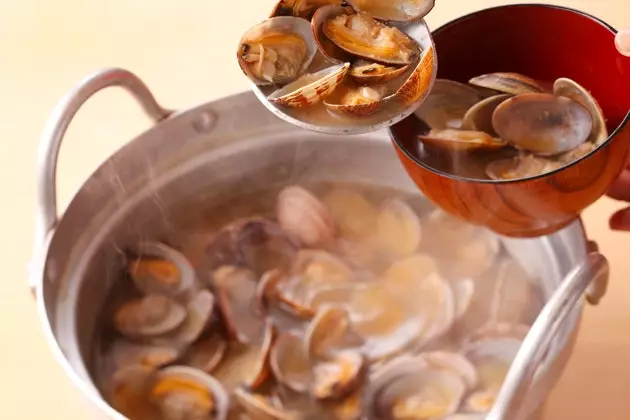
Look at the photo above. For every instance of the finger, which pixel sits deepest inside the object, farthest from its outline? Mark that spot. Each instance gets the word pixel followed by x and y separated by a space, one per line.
pixel 620 189
pixel 620 220
pixel 622 41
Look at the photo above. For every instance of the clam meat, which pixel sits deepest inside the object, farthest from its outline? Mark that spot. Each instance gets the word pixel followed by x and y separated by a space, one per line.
pixel 278 50
pixel 516 126
pixel 284 322
pixel 361 35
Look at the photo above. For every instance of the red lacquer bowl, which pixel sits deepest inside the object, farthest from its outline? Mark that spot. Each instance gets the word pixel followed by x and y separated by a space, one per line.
pixel 544 42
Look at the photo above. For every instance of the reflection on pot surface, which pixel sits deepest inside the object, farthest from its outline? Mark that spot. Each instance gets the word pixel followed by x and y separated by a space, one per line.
pixel 505 126
pixel 315 301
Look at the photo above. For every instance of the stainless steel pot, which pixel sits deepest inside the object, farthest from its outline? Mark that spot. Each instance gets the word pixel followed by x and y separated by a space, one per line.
pixel 229 147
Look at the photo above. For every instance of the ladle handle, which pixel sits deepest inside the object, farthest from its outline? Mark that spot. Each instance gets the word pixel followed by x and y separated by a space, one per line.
pixel 55 129
pixel 590 277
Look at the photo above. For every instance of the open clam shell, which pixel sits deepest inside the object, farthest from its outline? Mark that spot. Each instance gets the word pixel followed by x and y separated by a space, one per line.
pixel 447 104
pixel 160 269
pixel 542 123
pixel 129 390
pixel 277 51
pixel 149 316
pixel 492 359
pixel 461 140
pixel 125 353
pixel 354 214
pixel 410 388
pixel 361 35
pixel 183 392
pixel 207 353
pixel 257 406
pixel 310 89
pixel 357 100
pixel 521 166
pixel 453 362
pixel 572 90
pixel 337 378
pixel 236 293
pixel 394 10
pixel 330 333
pixel 399 231
pixel 290 363
pixel 371 73
pixel 304 215
pixel 479 116
pixel 199 311
pixel 512 83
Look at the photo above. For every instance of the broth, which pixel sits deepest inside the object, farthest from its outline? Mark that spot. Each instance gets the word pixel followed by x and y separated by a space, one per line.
pixel 330 301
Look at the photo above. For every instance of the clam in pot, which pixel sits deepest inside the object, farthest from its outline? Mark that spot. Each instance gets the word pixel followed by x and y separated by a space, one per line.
pixel 130 202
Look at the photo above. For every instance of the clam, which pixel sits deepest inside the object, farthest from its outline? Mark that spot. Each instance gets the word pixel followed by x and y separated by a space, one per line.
pixel 148 316
pixel 513 295
pixel 129 391
pixel 262 245
pixel 310 89
pixel 521 166
pixel 330 333
pixel 447 104
pixel 354 215
pixel 181 392
pixel 543 124
pixel 361 35
pixel 160 269
pixel 398 228
pixel 301 8
pixel 370 73
pixel 207 353
pixel 390 318
pixel 453 362
pixel 463 290
pixel 395 10
pixel 572 90
pixel 404 273
pixel 258 407
pixel 337 378
pixel 303 215
pixel 474 255
pixel 199 312
pixel 357 100
pixel 247 366
pixel 575 154
pixel 236 291
pixel 461 140
pixel 290 364
pixel 350 408
pixel 512 83
pixel 492 359
pixel 124 353
pixel 337 296
pixel 479 116
pixel 277 51
pixel 410 389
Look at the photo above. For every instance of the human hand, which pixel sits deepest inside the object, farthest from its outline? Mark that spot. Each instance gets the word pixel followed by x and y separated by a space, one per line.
pixel 622 41
pixel 620 190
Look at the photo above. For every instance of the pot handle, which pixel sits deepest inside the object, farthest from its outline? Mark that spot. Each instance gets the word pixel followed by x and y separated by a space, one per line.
pixel 55 129
pixel 590 278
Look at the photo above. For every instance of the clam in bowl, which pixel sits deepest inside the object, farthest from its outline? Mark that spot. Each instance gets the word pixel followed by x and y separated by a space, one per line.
pixel 341 67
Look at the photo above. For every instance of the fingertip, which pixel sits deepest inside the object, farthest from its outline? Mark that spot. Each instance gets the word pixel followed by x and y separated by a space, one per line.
pixel 620 220
pixel 622 41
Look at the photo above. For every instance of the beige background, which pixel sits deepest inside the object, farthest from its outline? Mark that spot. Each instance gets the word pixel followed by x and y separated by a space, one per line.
pixel 184 50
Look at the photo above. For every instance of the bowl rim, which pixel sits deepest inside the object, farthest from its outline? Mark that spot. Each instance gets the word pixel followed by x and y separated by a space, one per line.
pixel 597 149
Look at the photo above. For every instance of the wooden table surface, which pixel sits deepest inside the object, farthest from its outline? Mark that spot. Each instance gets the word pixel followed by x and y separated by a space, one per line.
pixel 184 50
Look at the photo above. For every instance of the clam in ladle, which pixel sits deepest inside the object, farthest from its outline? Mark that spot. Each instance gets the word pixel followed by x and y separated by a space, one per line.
pixel 341 69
